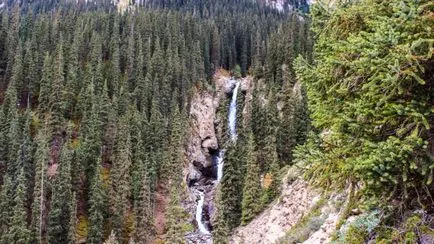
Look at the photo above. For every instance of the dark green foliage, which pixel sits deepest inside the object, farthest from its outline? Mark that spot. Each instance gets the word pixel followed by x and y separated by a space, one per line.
pixel 14 135
pixel 371 94
pixel 5 208
pixel 39 191
pixel 259 118
pixel 176 144
pixel 294 123
pixel 56 96
pixel 273 167
pixel 120 175
pixel 252 184
pixel 97 207
pixel 176 216
pixel 94 102
pixel 18 230
pixel 72 219
pixel 45 86
pixel 143 210
pixel 229 197
pixel 3 137
pixel 60 213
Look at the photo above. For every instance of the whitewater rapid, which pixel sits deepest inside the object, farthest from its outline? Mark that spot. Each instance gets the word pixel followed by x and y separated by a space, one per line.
pixel 199 211
pixel 233 113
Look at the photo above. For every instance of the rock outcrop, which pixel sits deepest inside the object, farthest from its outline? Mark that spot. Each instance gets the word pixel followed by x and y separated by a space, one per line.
pixel 325 232
pixel 203 147
pixel 296 200
pixel 202 138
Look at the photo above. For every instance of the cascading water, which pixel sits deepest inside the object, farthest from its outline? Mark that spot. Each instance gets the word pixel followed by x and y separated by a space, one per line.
pixel 232 129
pixel 220 162
pixel 199 210
pixel 220 165
pixel 233 113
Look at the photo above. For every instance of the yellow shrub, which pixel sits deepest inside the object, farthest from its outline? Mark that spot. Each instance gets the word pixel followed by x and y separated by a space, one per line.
pixel 82 228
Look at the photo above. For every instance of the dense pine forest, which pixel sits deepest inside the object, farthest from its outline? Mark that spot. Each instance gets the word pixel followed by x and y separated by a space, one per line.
pixel 95 102
pixel 101 107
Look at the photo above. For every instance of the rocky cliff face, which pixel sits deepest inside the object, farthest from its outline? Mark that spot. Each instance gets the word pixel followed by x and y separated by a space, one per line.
pixel 301 214
pixel 203 147
pixel 295 201
pixel 202 141
pixel 201 173
pixel 204 123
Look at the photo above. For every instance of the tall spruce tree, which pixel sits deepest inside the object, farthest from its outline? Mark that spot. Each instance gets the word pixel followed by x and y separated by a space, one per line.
pixel 273 168
pixel 6 203
pixel 176 216
pixel 56 100
pixel 19 231
pixel 229 200
pixel 120 173
pixel 72 220
pixel 59 216
pixel 46 86
pixel 39 191
pixel 97 202
pixel 252 183
pixel 366 103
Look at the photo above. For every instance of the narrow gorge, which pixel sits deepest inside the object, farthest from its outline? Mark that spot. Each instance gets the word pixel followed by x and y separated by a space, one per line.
pixel 206 150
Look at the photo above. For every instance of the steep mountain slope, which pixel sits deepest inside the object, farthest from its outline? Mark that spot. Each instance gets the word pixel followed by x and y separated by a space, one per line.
pixel 122 5
pixel 295 201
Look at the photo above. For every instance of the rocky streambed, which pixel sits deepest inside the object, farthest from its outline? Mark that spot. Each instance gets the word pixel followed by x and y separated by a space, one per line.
pixel 203 151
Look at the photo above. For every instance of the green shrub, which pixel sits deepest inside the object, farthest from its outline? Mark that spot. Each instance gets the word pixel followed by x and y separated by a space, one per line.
pixel 369 94
pixel 359 230
pixel 307 225
pixel 236 72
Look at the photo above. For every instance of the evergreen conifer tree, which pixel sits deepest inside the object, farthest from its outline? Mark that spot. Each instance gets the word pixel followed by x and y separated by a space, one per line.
pixel 97 206
pixel 273 168
pixel 175 215
pixel 72 220
pixel 229 201
pixel 121 178
pixel 252 186
pixel 59 216
pixel 39 192
pixel 46 86
pixel 18 230
pixel 6 204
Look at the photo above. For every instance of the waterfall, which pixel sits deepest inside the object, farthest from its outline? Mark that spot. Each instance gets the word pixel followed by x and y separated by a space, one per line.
pixel 220 165
pixel 199 210
pixel 233 113
pixel 220 158
pixel 232 129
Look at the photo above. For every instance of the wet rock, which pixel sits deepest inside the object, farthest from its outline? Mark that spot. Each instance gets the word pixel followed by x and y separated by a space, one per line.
pixel 205 172
pixel 198 238
pixel 202 147
pixel 209 144
pixel 229 86
pixel 193 177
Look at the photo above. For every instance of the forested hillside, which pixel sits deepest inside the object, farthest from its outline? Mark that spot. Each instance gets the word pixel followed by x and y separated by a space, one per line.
pixel 204 121
pixel 94 106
